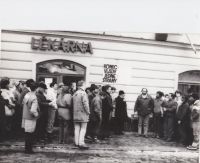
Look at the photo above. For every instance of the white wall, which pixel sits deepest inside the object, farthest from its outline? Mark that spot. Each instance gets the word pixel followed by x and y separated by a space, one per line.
pixel 155 67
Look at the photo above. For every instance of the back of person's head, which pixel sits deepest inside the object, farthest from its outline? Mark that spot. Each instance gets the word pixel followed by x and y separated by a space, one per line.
pixel 160 93
pixel 4 83
pixel 195 96
pixel 52 84
pixel 80 83
pixel 105 88
pixel 28 82
pixel 34 86
pixel 92 87
pixel 178 92
pixel 65 90
pixel 102 94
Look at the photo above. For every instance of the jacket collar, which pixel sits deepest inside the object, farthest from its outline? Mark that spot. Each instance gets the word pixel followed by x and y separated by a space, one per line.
pixel 196 102
pixel 147 96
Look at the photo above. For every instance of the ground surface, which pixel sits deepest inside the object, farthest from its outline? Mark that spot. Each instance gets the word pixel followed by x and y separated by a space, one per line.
pixel 123 148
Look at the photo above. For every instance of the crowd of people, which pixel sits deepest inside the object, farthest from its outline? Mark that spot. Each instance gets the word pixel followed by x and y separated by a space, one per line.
pixel 91 113
pixel 175 117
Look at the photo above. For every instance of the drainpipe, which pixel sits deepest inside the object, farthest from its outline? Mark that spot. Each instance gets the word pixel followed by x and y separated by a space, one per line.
pixel 191 44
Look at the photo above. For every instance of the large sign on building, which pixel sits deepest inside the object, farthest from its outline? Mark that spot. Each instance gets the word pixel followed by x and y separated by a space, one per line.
pixel 66 46
pixel 110 73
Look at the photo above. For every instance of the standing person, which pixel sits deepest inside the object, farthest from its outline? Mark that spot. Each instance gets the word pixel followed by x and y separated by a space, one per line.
pixel 87 90
pixel 107 107
pixel 120 113
pixel 51 97
pixel 96 115
pixel 60 87
pixel 80 114
pixel 3 103
pixel 18 109
pixel 112 115
pixel 144 107
pixel 183 120
pixel 30 115
pixel 93 92
pixel 64 103
pixel 178 99
pixel 25 90
pixel 169 108
pixel 43 105
pixel 195 122
pixel 157 114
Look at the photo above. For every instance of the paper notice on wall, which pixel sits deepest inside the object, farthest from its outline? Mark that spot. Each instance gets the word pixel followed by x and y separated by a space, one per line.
pixel 110 73
pixel 124 75
pixel 48 81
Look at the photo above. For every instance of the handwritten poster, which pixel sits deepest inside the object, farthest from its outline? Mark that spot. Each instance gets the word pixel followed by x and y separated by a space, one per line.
pixel 110 73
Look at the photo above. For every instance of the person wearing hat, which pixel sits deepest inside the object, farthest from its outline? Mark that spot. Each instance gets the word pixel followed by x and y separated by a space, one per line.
pixel 120 113
pixel 43 105
pixel 60 87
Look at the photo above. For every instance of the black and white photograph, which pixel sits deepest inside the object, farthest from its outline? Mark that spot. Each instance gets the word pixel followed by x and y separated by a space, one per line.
pixel 99 96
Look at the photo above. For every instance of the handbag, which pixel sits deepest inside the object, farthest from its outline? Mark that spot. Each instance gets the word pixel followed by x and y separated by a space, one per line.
pixel 64 113
pixel 9 111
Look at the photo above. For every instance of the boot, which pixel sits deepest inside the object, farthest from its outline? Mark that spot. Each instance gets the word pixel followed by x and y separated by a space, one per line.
pixel 49 137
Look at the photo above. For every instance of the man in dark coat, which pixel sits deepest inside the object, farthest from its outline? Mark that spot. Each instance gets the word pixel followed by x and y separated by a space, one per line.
pixel 43 105
pixel 95 114
pixel 120 113
pixel 107 107
pixel 183 120
pixel 144 107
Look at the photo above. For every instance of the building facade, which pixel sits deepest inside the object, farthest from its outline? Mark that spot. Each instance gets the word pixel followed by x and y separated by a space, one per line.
pixel 156 65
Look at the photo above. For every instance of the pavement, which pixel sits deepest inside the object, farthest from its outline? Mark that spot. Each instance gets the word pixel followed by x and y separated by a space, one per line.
pixel 120 148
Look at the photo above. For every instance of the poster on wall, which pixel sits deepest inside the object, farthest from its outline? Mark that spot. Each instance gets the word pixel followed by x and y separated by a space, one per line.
pixel 110 73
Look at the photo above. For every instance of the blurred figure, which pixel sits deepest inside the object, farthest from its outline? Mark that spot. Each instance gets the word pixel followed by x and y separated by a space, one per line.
pixel 30 115
pixel 44 105
pixel 169 107
pixel 157 114
pixel 87 90
pixel 95 115
pixel 60 87
pixel 51 98
pixel 183 120
pixel 195 121
pixel 64 103
pixel 144 107
pixel 107 107
pixel 112 114
pixel 120 113
pixel 81 114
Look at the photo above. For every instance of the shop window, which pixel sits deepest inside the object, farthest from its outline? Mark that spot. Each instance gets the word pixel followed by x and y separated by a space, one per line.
pixel 189 80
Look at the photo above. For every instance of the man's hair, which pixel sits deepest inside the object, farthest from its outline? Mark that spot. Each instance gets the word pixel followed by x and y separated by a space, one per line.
pixel 28 82
pixel 105 88
pixel 166 95
pixel 195 96
pixel 93 87
pixel 113 88
pixel 160 93
pixel 88 88
pixel 143 89
pixel 80 83
pixel 102 94
pixel 4 83
pixel 34 86
pixel 172 95
pixel 177 91
pixel 52 84
pixel 190 90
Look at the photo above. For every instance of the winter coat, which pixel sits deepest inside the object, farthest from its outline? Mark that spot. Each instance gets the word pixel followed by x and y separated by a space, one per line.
pixel 144 106
pixel 107 107
pixel 17 95
pixel 31 107
pixel 121 110
pixel 171 107
pixel 195 111
pixel 158 106
pixel 96 109
pixel 183 112
pixel 42 102
pixel 81 109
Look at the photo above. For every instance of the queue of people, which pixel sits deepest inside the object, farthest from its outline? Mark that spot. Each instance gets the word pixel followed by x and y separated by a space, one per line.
pixel 91 113
pixel 175 117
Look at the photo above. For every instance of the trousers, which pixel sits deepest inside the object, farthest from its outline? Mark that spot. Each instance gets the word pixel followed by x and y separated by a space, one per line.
pixel 195 133
pixel 182 132
pixel 29 141
pixel 168 126
pixel 51 119
pixel 80 130
pixel 95 127
pixel 157 124
pixel 63 131
pixel 143 120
